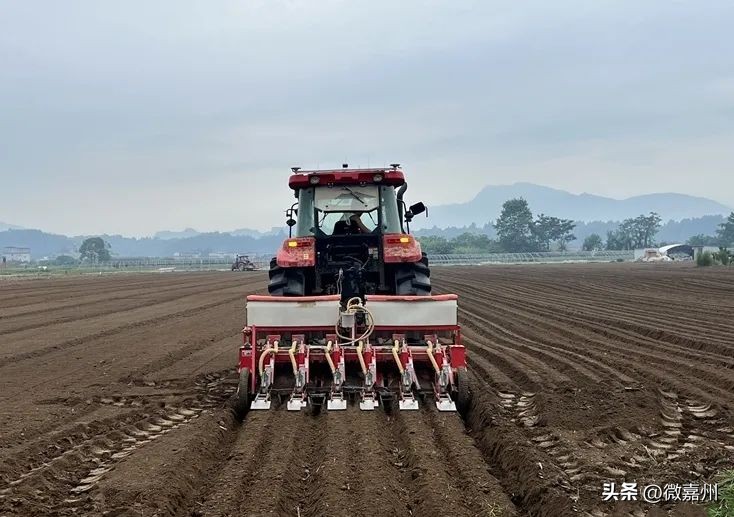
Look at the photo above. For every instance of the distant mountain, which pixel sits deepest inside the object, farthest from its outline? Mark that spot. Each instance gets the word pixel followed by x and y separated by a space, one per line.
pixel 247 232
pixel 487 205
pixel 683 216
pixel 202 243
pixel 240 232
pixel 41 244
pixel 44 244
pixel 6 226
pixel 167 235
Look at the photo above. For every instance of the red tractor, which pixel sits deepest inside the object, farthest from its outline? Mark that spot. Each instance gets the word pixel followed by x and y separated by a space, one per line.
pixel 350 312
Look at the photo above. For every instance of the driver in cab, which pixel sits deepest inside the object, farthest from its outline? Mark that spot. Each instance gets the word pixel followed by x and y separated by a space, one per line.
pixel 350 224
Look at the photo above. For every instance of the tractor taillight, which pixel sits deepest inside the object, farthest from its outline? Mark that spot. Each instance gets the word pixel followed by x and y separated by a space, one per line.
pixel 401 248
pixel 298 252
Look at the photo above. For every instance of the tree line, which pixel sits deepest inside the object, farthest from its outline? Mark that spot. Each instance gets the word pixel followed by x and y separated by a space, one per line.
pixel 518 231
pixel 724 237
pixel 639 232
pixel 633 233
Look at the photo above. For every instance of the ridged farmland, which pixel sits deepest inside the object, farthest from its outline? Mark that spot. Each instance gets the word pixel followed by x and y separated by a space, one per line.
pixel 115 397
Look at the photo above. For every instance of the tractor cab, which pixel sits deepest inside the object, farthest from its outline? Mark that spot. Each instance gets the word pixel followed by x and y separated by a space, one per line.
pixel 350 234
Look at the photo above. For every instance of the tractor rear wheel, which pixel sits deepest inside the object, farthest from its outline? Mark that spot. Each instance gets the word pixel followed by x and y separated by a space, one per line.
pixel 286 281
pixel 242 401
pixel 463 392
pixel 413 279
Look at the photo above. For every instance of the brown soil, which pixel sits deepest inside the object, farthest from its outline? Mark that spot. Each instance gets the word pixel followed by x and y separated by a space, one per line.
pixel 115 399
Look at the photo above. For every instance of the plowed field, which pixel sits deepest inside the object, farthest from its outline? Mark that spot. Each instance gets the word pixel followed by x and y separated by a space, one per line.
pixel 115 396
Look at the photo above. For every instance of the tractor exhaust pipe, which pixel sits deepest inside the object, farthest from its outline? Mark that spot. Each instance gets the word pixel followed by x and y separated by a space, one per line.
pixel 401 204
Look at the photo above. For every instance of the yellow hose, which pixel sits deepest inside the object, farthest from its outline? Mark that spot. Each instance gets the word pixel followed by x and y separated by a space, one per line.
pixel 361 358
pixel 265 353
pixel 292 355
pixel 328 358
pixel 430 356
pixel 395 350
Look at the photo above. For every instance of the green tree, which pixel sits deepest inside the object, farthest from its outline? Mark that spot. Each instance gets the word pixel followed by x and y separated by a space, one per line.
pixel 703 240
pixel 543 230
pixel 615 240
pixel 436 245
pixel 547 229
pixel 638 232
pixel 64 260
pixel 592 243
pixel 564 233
pixel 95 249
pixel 471 243
pixel 646 227
pixel 725 233
pixel 514 226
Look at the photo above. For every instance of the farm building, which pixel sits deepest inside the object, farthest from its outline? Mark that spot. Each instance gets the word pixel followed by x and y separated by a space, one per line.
pixel 665 253
pixel 16 254
pixel 678 251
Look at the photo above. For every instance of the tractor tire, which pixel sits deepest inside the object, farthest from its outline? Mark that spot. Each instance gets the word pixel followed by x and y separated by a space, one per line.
pixel 286 282
pixel 242 400
pixel 242 267
pixel 413 279
pixel 463 392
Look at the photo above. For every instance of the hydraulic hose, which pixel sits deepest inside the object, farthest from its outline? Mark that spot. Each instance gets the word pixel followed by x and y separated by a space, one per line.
pixel 430 356
pixel 292 355
pixel 361 358
pixel 268 350
pixel 395 350
pixel 329 359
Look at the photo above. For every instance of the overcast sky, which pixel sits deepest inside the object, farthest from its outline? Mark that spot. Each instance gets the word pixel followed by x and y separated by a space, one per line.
pixel 130 117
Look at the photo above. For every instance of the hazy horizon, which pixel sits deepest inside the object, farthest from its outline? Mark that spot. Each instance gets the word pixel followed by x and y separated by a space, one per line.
pixel 138 117
pixel 419 223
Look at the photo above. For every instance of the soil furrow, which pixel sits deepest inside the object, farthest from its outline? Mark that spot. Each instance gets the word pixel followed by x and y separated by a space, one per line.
pixel 117 403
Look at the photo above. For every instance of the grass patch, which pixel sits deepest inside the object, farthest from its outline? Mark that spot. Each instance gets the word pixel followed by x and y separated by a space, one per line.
pixel 704 259
pixel 724 507
pixel 723 257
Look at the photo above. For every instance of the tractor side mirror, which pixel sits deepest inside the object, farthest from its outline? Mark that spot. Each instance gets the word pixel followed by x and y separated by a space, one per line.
pixel 290 221
pixel 414 210
pixel 418 208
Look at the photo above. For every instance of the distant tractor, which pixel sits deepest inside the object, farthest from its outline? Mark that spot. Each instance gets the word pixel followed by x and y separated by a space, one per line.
pixel 243 263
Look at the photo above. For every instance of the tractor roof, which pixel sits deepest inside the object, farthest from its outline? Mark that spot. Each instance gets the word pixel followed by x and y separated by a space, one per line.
pixel 382 176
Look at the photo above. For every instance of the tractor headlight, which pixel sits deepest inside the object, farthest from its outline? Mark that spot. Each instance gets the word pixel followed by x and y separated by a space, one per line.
pixel 377 178
pixel 314 180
